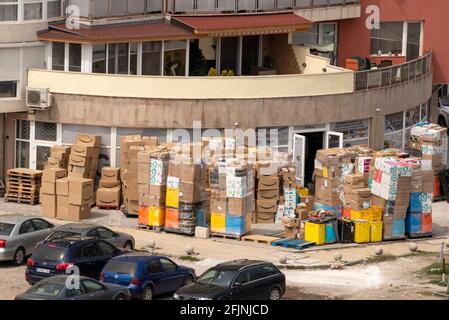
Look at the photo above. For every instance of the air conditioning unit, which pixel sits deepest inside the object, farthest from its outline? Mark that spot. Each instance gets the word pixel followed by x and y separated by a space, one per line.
pixel 38 99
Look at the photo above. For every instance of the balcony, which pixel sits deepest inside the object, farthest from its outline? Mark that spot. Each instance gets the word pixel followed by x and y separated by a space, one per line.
pixel 241 6
pixel 394 75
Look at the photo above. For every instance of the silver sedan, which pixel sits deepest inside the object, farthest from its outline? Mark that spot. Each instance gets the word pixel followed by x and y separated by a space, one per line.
pixel 118 239
pixel 19 235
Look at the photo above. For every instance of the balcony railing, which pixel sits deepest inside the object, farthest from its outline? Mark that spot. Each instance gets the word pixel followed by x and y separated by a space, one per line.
pixel 385 77
pixel 236 6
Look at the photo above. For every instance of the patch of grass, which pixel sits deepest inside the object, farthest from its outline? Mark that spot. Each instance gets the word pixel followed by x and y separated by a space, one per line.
pixel 435 269
pixel 381 258
pixel 189 258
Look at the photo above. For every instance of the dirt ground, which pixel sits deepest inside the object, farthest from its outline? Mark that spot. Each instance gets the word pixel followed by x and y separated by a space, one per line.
pixel 397 279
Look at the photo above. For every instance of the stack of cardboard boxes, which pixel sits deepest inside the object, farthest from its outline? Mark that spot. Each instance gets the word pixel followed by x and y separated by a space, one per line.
pixel 268 185
pixel 83 159
pixel 59 157
pixel 431 142
pixel 288 202
pixel 48 196
pixel 392 183
pixel 152 185
pixel 109 189
pixel 356 194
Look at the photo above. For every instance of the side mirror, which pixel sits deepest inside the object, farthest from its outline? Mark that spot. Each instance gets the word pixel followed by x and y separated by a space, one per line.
pixel 236 284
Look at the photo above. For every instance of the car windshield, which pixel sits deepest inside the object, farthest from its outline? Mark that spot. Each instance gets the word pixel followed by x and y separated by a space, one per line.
pixel 49 253
pixel 6 228
pixel 47 289
pixel 120 267
pixel 61 234
pixel 220 278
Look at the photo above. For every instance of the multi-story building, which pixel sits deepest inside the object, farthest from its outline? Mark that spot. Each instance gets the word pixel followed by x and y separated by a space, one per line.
pixel 154 66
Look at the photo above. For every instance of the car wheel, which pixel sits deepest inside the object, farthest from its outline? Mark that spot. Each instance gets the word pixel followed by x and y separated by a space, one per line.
pixel 19 257
pixel 275 294
pixel 128 245
pixel 187 281
pixel 121 296
pixel 147 294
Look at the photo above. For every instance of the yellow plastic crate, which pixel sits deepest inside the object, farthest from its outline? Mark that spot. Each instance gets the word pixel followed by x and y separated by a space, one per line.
pixel 218 222
pixel 156 216
pixel 315 232
pixel 303 192
pixel 172 199
pixel 376 231
pixel 362 231
pixel 357 215
pixel 373 214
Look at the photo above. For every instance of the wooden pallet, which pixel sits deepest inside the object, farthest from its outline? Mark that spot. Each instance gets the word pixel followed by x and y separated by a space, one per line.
pixel 22 199
pixel 20 186
pixel 260 238
pixel 24 173
pixel 225 236
pixel 109 207
pixel 293 243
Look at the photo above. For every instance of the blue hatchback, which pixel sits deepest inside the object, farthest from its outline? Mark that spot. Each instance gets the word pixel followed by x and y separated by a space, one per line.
pixel 147 276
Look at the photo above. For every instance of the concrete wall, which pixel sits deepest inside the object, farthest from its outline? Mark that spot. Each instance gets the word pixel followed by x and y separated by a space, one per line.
pixel 279 48
pixel 20 32
pixel 192 88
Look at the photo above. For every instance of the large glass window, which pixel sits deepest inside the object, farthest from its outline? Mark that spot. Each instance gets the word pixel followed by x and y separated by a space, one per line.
pixel 8 10
pixel 122 63
pixel 112 62
pixel 387 39
pixel 74 57
pixel 202 56
pixel 53 8
pixel 32 10
pixel 250 54
pixel 133 47
pixel 151 58
pixel 354 132
pixel 99 58
pixel 413 40
pixel 229 53
pixel 58 55
pixel 175 58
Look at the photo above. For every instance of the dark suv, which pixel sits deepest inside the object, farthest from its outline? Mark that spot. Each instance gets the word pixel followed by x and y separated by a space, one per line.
pixel 90 255
pixel 237 280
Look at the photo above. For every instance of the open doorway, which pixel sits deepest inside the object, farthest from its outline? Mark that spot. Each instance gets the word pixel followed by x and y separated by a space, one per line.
pixel 314 142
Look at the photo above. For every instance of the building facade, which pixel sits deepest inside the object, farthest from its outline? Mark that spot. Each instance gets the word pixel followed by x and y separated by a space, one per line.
pixel 151 67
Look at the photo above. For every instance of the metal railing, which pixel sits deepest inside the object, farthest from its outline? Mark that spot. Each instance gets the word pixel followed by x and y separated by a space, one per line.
pixel 236 6
pixel 385 77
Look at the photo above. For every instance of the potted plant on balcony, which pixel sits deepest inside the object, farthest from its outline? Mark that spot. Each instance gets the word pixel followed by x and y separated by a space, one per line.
pixel 212 72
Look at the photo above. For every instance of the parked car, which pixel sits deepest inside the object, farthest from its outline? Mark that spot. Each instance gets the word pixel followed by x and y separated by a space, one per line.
pixel 19 235
pixel 55 257
pixel 147 276
pixel 443 117
pixel 118 239
pixel 55 288
pixel 237 280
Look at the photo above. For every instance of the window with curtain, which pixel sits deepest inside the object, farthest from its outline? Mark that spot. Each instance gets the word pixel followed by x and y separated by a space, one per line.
pixel 387 39
pixel 58 55
pixel 54 9
pixel 32 10
pixel 8 10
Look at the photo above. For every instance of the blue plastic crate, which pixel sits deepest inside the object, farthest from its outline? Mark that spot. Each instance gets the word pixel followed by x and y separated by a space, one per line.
pixel 330 233
pixel 236 224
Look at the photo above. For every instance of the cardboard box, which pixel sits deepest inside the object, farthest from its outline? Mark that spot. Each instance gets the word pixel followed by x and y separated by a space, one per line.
pixel 62 187
pixel 55 163
pixel 378 202
pixel 78 172
pixel 62 205
pixel 239 206
pixel 157 191
pixel 84 151
pixel 48 187
pixel 48 208
pixel 110 174
pixel 355 181
pixel 266 206
pixel 291 233
pixel 150 141
pixel 309 201
pixel 108 197
pixel 291 222
pixel 359 195
pixel 268 183
pixel 79 161
pixel 77 212
pixel 88 140
pixel 265 217
pixel 189 192
pixel 189 172
pixel 108 184
pixel 268 194
pixel 53 174
pixel 156 202
pixel 81 191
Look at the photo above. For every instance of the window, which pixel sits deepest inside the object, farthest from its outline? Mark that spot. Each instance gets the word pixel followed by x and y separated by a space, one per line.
pixel 99 58
pixel 45 131
pixel 242 278
pixel 105 248
pixel 151 58
pixel 258 273
pixel 276 137
pixel 92 286
pixel 58 56
pixel 54 8
pixel 8 10
pixel 47 289
pixel 72 293
pixel 355 132
pixel 26 227
pixel 413 40
pixel 175 58
pixel 154 267
pixel 74 57
pixel 8 89
pixel 122 64
pixel 268 271
pixel 32 10
pixel 133 48
pixel 104 233
pixel 41 224
pixel 387 39
pixel 229 54
pixel 91 250
pixel 168 265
